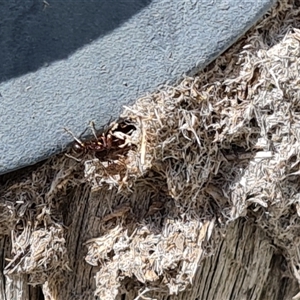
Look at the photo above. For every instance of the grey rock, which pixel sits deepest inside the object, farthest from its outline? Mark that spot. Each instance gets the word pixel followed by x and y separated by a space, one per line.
pixel 65 63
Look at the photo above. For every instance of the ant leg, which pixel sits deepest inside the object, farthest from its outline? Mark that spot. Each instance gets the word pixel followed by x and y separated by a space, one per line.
pixel 85 130
pixel 103 140
pixel 71 156
pixel 92 126
pixel 109 124
pixel 110 119
pixel 109 141
pixel 74 137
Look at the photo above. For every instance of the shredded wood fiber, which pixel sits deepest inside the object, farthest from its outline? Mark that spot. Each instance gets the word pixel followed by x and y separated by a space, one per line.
pixel 216 147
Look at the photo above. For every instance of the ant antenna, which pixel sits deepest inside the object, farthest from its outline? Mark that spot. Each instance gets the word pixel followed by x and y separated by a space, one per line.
pixel 74 137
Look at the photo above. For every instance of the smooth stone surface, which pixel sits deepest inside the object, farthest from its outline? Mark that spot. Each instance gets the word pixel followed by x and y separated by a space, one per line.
pixel 65 63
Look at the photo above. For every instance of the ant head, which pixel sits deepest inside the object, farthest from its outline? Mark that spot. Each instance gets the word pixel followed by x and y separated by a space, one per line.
pixel 78 148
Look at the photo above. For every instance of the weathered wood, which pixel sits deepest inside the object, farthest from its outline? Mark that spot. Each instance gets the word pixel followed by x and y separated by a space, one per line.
pixel 244 264
pixel 15 287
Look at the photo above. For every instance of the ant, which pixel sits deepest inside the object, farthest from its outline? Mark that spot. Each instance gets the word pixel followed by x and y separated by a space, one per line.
pixel 113 138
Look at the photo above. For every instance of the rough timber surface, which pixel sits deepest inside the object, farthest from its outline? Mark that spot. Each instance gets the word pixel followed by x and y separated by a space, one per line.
pixel 65 63
pixel 199 201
